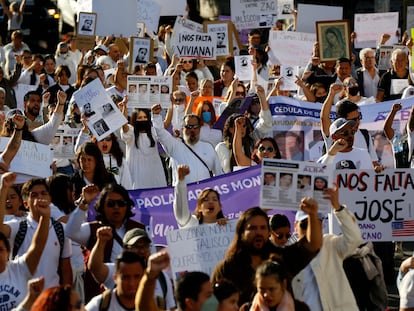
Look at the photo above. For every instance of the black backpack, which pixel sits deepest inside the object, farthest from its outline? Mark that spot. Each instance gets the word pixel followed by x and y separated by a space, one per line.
pixel 21 233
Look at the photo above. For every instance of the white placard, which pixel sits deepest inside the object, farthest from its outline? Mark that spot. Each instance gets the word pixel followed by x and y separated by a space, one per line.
pixel 253 14
pixel 149 12
pixel 288 75
pixel 171 8
pixel 244 67
pixel 286 182
pixel 110 14
pixel 369 27
pixel 284 9
pixel 222 32
pixel 297 47
pixel 199 248
pixel 144 91
pixel 195 44
pixel 103 115
pixel 398 85
pixel 308 14
pixel 63 144
pixel 32 160
pixel 382 203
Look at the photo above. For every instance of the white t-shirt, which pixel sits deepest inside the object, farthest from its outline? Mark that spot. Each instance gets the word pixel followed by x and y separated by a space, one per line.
pixel 407 290
pixel 355 159
pixel 114 305
pixel 13 283
pixel 49 261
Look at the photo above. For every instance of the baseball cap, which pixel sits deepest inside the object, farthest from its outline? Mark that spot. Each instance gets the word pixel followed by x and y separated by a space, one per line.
pixel 101 47
pixel 134 235
pixel 301 215
pixel 339 124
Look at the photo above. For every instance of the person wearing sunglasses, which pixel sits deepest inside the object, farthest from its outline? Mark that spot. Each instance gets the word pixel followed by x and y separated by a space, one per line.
pixel 114 209
pixel 189 149
pixel 264 148
pixel 342 154
pixel 349 111
pixel 280 230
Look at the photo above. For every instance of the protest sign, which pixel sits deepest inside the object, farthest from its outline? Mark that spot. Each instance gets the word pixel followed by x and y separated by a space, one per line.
pixel 63 144
pixel 297 47
pixel 253 14
pixel 309 14
pixel 199 248
pixel 194 44
pixel 223 31
pixel 103 115
pixel 284 9
pixel 85 37
pixel 149 12
pixel 108 10
pixel 32 160
pixel 140 50
pixel 370 26
pixel 244 67
pixel 144 91
pixel 287 182
pixel 381 202
pixel 288 75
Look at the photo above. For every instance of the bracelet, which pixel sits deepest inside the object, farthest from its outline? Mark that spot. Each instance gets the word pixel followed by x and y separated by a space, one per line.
pixel 341 207
pixel 16 129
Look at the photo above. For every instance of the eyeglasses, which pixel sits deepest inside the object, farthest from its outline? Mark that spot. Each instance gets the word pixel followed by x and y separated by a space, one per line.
pixel 186 62
pixel 179 99
pixel 347 133
pixel 280 236
pixel 119 203
pixel 240 94
pixel 192 127
pixel 356 119
pixel 269 149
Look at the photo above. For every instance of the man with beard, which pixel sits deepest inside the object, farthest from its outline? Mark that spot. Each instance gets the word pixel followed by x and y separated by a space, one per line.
pixel 32 104
pixel 198 155
pixel 251 246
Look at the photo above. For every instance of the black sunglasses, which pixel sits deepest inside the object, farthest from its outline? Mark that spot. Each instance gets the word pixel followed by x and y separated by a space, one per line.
pixel 280 236
pixel 120 203
pixel 347 133
pixel 269 149
pixel 192 127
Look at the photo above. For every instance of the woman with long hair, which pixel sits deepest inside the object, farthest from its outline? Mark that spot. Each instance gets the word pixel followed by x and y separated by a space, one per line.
pixel 112 154
pixel 92 168
pixel 249 135
pixel 142 156
pixel 208 209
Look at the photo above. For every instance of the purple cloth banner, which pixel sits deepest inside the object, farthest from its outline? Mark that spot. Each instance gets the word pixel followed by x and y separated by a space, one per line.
pixel 238 191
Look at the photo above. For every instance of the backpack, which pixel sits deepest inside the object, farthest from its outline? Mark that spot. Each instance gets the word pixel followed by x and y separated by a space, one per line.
pixel 367 138
pixel 21 233
pixel 106 300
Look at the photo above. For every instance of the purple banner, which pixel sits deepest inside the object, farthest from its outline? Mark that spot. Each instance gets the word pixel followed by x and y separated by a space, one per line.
pixel 238 191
